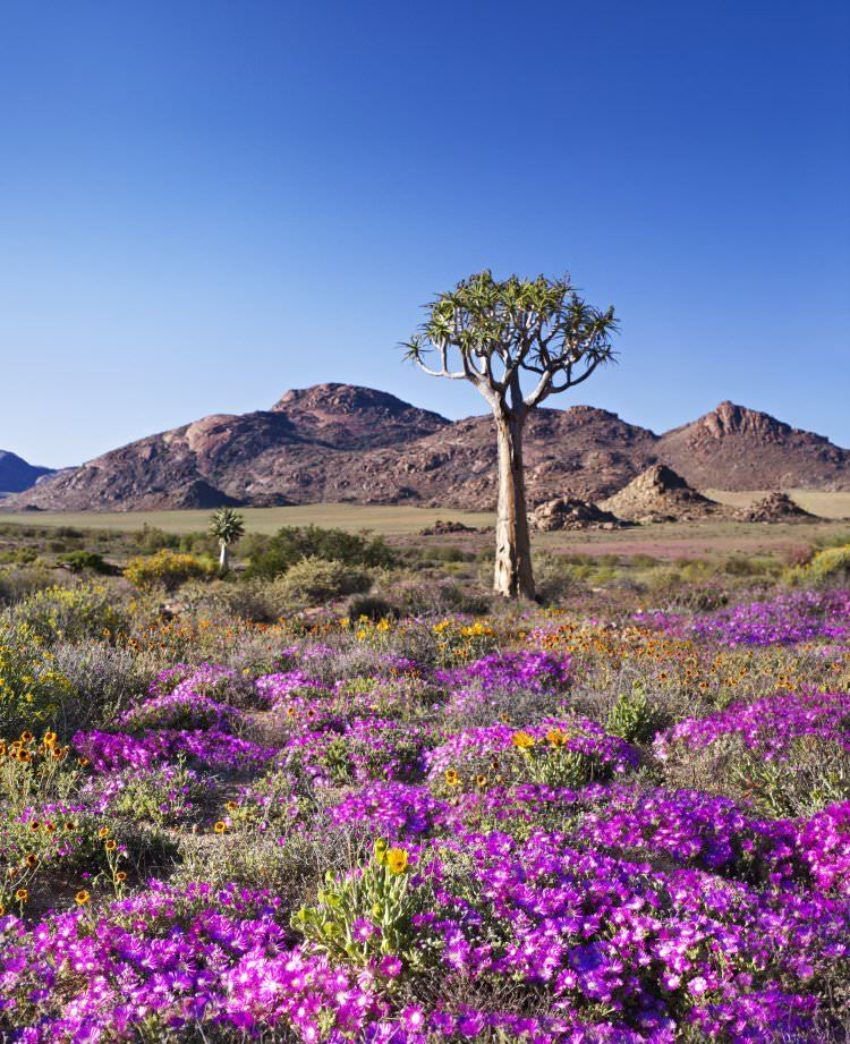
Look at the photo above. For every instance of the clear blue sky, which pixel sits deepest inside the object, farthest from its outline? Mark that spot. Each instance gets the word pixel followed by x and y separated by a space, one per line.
pixel 206 202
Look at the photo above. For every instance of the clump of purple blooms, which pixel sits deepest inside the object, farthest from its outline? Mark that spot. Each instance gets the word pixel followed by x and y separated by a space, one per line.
pixel 768 726
pixel 800 616
pixel 528 670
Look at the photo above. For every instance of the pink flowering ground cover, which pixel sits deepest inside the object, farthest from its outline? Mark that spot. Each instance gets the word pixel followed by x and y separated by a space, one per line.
pixel 363 844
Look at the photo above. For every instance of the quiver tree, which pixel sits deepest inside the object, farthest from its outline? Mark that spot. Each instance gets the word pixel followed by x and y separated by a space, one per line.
pixel 227 526
pixel 518 341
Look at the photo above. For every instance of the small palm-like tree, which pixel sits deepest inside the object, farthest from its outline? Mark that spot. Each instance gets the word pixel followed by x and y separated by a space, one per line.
pixel 227 526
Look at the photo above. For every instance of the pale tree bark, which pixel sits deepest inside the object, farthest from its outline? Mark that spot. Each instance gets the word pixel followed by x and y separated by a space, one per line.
pixel 223 558
pixel 513 577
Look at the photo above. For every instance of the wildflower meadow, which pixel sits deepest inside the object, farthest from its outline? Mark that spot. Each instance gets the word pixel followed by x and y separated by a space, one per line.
pixel 601 820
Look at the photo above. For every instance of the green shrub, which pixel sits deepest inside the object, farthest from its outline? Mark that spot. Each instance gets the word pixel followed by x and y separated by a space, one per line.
pixel 292 544
pixel 71 614
pixel 32 690
pixel 19 556
pixel 371 608
pixel 166 569
pixel 103 681
pixel 313 581
pixel 151 538
pixel 17 584
pixel 80 561
pixel 829 567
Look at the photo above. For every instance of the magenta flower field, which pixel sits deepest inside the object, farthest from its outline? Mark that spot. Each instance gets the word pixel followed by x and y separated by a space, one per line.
pixel 533 828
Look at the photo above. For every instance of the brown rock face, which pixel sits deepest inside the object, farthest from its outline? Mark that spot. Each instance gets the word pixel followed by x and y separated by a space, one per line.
pixel 347 417
pixel 338 443
pixel 659 494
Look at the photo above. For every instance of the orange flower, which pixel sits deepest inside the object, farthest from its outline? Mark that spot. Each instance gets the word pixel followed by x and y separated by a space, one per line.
pixel 22 895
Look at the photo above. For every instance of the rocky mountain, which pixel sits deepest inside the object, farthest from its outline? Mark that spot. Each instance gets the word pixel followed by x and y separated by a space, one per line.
pixel 337 442
pixel 16 475
pixel 736 448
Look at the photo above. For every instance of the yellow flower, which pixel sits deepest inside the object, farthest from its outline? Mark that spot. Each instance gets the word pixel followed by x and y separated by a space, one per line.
pixel 82 897
pixel 120 876
pixel 103 832
pixel 111 845
pixel 522 740
pixel 380 850
pixel 481 781
pixel 22 895
pixel 396 860
pixel 452 778
pixel 220 827
pixel 557 737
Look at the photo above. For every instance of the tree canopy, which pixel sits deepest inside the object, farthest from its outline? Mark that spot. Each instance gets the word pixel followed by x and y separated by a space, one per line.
pixel 497 333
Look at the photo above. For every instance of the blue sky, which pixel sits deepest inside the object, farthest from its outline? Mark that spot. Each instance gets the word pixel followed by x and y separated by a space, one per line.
pixel 204 203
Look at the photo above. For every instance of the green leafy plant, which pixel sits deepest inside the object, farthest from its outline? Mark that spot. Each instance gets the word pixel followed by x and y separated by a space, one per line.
pixel 631 717
pixel 367 913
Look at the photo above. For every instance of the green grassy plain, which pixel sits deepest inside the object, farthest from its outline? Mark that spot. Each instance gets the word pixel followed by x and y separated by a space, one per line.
pixel 391 520
pixel 402 524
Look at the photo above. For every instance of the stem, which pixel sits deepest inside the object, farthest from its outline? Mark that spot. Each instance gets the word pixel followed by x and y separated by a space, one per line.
pixel 513 576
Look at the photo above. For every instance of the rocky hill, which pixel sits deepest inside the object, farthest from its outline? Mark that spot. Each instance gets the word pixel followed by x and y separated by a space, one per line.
pixel 16 475
pixel 660 494
pixel 336 443
pixel 736 448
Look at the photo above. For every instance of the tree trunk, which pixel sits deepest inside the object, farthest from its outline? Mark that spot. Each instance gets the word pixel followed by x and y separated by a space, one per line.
pixel 224 558
pixel 513 576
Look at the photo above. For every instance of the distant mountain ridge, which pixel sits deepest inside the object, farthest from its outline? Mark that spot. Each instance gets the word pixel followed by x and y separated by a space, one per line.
pixel 339 442
pixel 16 474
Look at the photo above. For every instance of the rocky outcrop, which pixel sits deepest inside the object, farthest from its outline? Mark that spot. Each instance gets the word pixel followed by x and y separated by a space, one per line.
pixel 775 507
pixel 441 528
pixel 659 494
pixel 572 513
